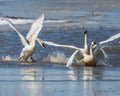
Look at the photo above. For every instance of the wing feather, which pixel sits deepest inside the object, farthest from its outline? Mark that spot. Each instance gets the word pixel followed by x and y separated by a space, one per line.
pixel 100 54
pixel 63 46
pixel 35 29
pixel 70 61
pixel 111 38
pixel 23 40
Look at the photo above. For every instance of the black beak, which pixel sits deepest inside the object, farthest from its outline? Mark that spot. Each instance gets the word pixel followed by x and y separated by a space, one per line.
pixel 85 32
pixel 43 45
pixel 94 43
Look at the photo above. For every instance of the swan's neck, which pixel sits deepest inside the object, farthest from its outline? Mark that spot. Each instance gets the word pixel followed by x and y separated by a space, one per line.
pixel 91 50
pixel 85 44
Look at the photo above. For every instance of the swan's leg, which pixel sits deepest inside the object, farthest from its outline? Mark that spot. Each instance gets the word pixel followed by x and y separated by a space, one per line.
pixel 22 59
pixel 33 60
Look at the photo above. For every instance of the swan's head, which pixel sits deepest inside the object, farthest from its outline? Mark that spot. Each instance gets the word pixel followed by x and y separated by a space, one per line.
pixel 85 32
pixel 43 45
pixel 93 43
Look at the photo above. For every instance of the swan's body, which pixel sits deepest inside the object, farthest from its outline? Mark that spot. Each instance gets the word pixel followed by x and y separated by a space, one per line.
pixel 27 52
pixel 90 60
pixel 29 41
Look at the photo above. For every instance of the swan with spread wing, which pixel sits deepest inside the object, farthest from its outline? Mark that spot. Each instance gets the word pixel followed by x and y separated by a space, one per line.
pixel 95 55
pixel 83 54
pixel 29 42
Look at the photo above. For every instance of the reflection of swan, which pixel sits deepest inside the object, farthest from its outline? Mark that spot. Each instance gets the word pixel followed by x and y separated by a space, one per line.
pixel 29 41
pixel 28 74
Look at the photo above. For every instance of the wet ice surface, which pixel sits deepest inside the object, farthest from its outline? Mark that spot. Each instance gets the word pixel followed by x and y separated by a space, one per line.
pixel 57 80
pixel 48 76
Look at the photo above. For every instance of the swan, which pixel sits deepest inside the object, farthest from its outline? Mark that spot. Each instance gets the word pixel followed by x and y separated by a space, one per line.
pixel 80 53
pixel 88 59
pixel 97 54
pixel 29 42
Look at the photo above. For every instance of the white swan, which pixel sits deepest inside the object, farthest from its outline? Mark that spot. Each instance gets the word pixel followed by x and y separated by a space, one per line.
pixel 29 41
pixel 88 59
pixel 98 54
pixel 80 53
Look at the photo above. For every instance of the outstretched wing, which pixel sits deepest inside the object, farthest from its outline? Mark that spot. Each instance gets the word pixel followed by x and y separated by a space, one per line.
pixel 100 53
pixel 63 46
pixel 40 42
pixel 35 29
pixel 111 38
pixel 70 61
pixel 23 40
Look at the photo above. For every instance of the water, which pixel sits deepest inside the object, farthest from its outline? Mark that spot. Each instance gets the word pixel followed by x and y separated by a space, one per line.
pixel 65 24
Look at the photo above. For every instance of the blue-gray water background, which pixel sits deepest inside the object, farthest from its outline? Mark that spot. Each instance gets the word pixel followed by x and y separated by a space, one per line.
pixel 100 17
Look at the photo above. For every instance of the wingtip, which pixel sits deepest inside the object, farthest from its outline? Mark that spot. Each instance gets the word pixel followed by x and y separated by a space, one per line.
pixel 43 16
pixel 43 45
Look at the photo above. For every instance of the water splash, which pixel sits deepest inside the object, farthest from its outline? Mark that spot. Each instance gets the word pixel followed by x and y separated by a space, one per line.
pixel 8 58
pixel 56 57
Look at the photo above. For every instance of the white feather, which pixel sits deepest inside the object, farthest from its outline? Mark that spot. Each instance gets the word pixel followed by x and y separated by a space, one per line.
pixel 110 39
pixel 22 38
pixel 63 46
pixel 35 29
pixel 70 61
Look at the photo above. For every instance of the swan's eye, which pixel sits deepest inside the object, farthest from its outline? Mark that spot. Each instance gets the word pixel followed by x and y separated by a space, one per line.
pixel 94 43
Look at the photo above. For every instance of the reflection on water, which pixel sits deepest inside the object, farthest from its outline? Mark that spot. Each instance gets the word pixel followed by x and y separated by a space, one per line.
pixel 28 74
pixel 58 80
pixel 88 74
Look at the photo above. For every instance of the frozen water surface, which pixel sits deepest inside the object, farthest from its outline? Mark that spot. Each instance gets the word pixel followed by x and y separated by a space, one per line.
pixel 65 22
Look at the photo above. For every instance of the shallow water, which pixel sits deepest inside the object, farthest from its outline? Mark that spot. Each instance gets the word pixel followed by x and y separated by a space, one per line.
pixel 48 76
pixel 54 80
